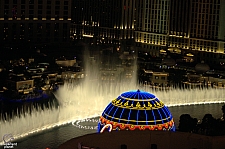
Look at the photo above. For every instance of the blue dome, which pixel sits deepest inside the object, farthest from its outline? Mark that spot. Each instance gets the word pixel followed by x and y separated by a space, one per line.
pixel 137 109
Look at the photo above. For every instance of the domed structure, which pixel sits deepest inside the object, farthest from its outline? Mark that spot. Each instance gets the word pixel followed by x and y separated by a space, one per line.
pixel 169 61
pixel 202 67
pixel 136 110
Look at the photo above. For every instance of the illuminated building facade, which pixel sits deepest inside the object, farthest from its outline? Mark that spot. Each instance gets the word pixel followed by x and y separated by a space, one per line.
pixel 136 110
pixel 194 26
pixel 152 24
pixel 35 21
pixel 104 21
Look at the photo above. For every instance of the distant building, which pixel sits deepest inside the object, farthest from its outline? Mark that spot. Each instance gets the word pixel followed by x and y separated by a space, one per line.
pixel 66 63
pixel 70 76
pixel 103 21
pixel 20 84
pixel 152 25
pixel 160 79
pixel 186 26
pixel 35 21
pixel 193 29
pixel 157 79
pixel 197 26
pixel 213 80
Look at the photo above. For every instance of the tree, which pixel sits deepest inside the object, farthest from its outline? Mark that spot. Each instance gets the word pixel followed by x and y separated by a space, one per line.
pixel 187 123
pixel 208 125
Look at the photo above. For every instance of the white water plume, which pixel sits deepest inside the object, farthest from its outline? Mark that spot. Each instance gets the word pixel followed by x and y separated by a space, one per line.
pixel 84 101
pixel 89 99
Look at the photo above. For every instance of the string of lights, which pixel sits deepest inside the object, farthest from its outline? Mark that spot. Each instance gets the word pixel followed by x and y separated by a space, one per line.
pixel 136 110
pixel 79 124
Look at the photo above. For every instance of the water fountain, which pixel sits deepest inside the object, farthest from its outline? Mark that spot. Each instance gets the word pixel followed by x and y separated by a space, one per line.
pixel 90 98
pixel 80 102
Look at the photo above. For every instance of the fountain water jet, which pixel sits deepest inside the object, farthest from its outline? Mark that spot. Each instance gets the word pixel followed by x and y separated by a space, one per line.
pixel 81 101
pixel 89 99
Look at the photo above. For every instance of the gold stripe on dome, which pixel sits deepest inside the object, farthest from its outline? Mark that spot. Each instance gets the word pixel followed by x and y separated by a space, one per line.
pixel 149 99
pixel 137 106
pixel 165 119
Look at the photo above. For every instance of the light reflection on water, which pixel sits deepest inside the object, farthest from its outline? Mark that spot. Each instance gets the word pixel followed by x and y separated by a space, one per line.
pixel 56 136
pixel 89 99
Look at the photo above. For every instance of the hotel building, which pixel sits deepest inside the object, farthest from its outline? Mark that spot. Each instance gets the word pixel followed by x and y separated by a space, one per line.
pixel 187 27
pixel 35 21
pixel 103 21
pixel 191 28
pixel 152 25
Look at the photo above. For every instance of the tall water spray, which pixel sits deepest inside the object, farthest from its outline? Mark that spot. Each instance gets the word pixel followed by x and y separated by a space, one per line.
pixel 89 99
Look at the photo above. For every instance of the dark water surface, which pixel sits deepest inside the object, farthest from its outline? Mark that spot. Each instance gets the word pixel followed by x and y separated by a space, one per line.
pixel 56 136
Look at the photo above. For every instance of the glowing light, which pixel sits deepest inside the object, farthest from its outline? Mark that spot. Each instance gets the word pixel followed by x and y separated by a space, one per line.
pixel 189 54
pixel 106 127
pixel 77 123
pixel 91 36
pixel 145 110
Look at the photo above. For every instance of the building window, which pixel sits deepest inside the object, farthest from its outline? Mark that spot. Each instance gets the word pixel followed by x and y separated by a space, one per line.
pixel 31 1
pixel 65 2
pixel 65 12
pixel 22 1
pixel 31 11
pixel 48 12
pixel 40 1
pixel 31 7
pixel 57 7
pixel 31 17
pixel 57 2
pixel 39 6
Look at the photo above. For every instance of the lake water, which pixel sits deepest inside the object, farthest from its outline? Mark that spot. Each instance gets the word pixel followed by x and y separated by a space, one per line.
pixel 54 137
